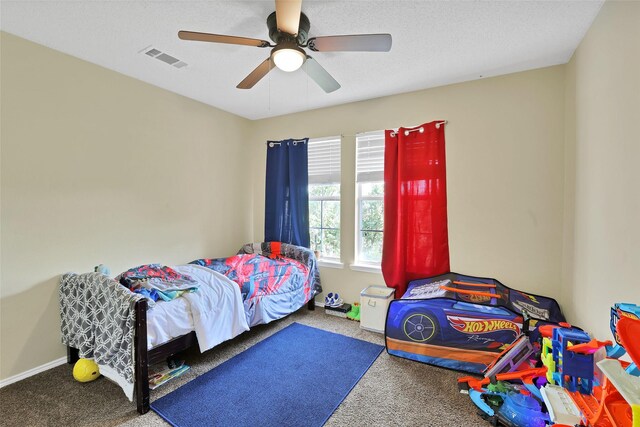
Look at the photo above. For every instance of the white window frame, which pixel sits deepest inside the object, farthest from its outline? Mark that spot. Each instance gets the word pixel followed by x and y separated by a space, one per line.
pixel 329 179
pixel 359 199
pixel 323 199
pixel 370 177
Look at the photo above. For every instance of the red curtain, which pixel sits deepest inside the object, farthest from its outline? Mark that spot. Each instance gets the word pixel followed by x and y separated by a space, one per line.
pixel 416 243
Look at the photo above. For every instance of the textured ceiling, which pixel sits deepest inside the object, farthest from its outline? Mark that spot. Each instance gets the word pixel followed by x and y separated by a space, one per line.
pixel 434 43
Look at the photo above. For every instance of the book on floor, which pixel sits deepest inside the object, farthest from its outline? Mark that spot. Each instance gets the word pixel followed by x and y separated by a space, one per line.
pixel 160 374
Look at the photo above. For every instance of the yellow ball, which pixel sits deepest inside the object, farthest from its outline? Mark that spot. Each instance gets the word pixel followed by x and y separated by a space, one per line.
pixel 85 370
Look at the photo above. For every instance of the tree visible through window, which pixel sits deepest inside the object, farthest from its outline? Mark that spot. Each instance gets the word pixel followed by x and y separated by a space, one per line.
pixel 324 196
pixel 371 221
pixel 324 219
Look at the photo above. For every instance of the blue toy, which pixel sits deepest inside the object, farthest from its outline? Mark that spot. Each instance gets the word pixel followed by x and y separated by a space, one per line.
pixel 463 322
pixel 509 404
pixel 574 370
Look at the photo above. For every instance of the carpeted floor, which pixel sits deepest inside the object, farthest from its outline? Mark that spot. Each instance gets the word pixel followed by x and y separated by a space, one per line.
pixel 394 392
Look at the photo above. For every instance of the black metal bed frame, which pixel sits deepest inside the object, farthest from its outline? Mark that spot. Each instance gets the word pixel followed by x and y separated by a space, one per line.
pixel 145 357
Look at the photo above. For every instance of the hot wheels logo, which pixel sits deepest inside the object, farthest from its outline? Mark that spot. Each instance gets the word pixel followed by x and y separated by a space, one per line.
pixel 482 326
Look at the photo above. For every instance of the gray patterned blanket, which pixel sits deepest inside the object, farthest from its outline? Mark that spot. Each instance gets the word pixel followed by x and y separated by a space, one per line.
pixel 98 318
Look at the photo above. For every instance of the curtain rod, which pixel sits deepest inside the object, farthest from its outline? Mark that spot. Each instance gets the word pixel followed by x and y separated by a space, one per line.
pixel 274 143
pixel 420 129
pixel 406 132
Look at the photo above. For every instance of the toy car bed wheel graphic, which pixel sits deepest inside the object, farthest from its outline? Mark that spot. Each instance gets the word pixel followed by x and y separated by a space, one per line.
pixel 420 327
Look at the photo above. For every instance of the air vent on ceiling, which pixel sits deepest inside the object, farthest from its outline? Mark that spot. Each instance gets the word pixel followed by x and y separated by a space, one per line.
pixel 153 52
pixel 161 56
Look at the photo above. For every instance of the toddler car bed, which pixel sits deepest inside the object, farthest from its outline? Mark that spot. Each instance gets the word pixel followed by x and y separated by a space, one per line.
pixel 462 322
pixel 125 332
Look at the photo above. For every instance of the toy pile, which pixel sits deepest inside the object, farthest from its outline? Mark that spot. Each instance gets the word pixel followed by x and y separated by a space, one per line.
pixel 562 377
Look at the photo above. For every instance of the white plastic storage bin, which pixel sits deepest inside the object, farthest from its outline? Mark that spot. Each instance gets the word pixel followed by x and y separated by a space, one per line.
pixel 374 303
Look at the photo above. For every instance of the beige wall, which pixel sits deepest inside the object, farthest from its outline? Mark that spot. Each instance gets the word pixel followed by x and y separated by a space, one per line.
pixel 101 168
pixel 602 232
pixel 505 142
pixel 97 167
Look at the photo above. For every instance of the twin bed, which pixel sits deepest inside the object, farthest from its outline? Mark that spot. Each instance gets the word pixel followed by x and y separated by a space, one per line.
pixel 125 332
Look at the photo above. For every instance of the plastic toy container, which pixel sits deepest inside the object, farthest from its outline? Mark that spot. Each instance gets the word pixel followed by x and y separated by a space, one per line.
pixel 374 303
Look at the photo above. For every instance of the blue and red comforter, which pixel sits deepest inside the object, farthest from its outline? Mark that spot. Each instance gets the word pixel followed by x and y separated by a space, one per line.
pixel 274 279
pixel 259 276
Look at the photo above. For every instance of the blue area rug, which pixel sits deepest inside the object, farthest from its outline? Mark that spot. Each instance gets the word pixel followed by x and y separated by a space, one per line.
pixel 296 377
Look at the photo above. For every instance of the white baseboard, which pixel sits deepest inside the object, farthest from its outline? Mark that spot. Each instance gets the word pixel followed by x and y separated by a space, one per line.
pixel 32 372
pixel 57 362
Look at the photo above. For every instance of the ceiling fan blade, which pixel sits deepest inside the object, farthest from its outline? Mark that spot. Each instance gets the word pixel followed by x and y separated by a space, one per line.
pixel 352 43
pixel 288 15
pixel 320 75
pixel 218 38
pixel 257 74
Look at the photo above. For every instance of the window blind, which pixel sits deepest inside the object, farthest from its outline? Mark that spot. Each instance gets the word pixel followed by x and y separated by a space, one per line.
pixel 370 156
pixel 324 160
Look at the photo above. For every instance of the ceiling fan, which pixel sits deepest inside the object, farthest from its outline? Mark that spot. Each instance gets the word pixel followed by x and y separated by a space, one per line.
pixel 289 30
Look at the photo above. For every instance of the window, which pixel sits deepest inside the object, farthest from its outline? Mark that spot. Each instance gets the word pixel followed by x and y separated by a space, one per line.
pixel 369 197
pixel 324 197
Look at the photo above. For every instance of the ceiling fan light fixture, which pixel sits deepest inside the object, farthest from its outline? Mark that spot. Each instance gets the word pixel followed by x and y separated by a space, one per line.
pixel 288 57
pixel 289 30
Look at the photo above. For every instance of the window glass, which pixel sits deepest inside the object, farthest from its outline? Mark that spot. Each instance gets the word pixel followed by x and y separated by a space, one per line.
pixel 369 195
pixel 372 189
pixel 324 197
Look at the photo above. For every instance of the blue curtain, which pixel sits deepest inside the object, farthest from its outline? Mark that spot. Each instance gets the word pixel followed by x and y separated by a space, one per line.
pixel 287 196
